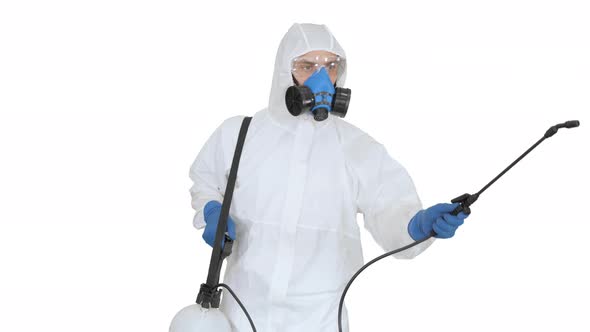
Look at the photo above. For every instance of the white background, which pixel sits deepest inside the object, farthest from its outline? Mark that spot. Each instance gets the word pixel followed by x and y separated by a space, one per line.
pixel 105 104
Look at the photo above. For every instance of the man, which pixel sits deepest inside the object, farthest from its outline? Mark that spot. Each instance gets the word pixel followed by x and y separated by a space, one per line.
pixel 299 186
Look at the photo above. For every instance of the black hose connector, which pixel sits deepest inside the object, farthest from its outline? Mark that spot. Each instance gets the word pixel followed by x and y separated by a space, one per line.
pixel 209 297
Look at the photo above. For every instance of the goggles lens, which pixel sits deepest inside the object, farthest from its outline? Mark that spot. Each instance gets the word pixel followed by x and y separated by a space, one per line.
pixel 304 66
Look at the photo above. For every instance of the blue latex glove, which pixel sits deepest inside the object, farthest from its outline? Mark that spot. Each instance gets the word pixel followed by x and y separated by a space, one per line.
pixel 437 218
pixel 212 211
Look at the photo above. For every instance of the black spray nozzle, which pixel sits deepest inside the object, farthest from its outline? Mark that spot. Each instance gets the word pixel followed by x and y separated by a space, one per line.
pixel 568 124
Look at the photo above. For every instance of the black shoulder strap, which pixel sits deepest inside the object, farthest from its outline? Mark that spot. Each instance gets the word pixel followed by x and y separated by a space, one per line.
pixel 220 254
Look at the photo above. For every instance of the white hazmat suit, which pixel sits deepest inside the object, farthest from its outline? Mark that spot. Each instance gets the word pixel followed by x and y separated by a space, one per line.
pixel 300 185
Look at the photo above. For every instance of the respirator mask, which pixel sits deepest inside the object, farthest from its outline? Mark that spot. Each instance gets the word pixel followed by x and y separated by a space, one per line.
pixel 315 90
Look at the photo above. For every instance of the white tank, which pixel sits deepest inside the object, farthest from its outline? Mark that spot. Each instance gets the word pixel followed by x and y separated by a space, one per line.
pixel 195 318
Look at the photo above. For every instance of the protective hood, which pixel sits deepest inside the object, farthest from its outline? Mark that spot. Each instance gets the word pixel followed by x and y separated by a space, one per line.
pixel 300 39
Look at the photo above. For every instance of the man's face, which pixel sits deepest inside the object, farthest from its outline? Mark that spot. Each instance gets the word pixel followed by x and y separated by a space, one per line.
pixel 305 65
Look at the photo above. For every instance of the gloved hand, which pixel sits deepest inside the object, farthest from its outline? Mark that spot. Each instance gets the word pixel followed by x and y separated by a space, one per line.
pixel 212 211
pixel 437 218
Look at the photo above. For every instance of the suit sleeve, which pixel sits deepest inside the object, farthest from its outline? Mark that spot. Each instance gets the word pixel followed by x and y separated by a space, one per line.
pixel 386 196
pixel 208 175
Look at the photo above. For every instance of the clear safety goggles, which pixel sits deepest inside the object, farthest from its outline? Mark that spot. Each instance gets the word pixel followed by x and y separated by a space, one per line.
pixel 302 67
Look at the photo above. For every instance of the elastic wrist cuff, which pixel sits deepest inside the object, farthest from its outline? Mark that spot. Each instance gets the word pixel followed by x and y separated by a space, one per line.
pixel 414 227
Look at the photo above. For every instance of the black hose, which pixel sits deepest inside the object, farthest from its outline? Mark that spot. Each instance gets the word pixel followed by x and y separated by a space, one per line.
pixel 345 289
pixel 239 302
pixel 366 266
